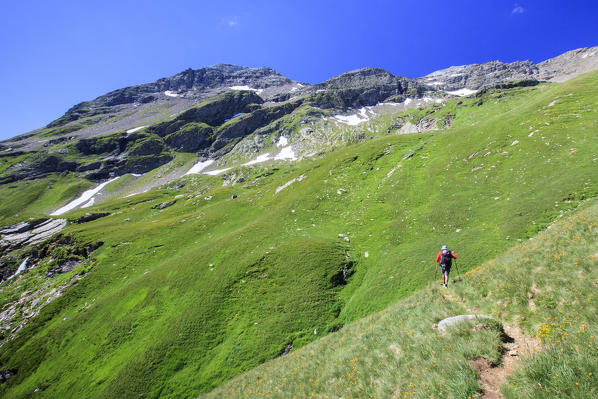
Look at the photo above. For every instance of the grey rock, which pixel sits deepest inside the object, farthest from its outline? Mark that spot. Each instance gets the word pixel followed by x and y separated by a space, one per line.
pixel 479 76
pixel 90 217
pixel 164 205
pixel 364 87
pixel 443 324
pixel 33 233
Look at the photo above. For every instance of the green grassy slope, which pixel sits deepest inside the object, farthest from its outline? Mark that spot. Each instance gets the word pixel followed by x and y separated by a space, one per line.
pixel 171 304
pixel 546 284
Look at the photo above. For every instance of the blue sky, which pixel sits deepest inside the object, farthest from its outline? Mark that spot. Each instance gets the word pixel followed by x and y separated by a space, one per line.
pixel 55 54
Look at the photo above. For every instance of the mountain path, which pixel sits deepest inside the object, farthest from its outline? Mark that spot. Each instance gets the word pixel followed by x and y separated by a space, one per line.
pixel 515 345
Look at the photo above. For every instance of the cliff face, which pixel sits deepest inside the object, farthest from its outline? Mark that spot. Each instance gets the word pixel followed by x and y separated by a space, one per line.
pixel 480 76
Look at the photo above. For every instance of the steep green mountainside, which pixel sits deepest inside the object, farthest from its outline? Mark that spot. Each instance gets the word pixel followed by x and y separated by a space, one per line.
pixel 546 285
pixel 180 297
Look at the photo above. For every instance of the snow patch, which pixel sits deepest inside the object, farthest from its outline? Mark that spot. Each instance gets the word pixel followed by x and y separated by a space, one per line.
pixel 216 172
pixel 363 114
pixel 88 203
pixel 21 268
pixel 279 189
pixel 169 93
pixel 282 142
pixel 259 159
pixel 198 167
pixel 286 153
pixel 257 91
pixel 462 92
pixel 86 196
pixel 135 129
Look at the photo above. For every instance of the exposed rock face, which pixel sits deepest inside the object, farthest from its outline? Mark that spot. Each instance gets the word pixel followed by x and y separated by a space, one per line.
pixel 480 76
pixel 192 82
pixel 29 233
pixel 363 87
pixel 246 124
pixel 569 65
pixel 90 217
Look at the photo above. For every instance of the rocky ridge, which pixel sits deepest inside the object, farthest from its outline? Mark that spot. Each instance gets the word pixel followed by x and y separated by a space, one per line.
pixel 227 109
pixel 481 76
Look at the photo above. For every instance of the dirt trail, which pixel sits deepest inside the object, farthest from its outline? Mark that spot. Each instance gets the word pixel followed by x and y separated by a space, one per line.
pixel 516 344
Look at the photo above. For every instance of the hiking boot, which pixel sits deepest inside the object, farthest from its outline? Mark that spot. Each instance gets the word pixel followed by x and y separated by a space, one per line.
pixel 444 285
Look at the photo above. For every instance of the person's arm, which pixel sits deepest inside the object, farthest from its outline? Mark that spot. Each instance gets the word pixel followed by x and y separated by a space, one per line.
pixel 438 256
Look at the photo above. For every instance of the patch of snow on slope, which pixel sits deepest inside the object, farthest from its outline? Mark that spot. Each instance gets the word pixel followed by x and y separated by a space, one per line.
pixel 86 196
pixel 257 91
pixel 286 153
pixel 408 101
pixel 259 159
pixel 462 92
pixel 135 129
pixel 198 167
pixel 352 120
pixel 21 268
pixel 169 93
pixel 279 189
pixel 282 142
pixel 216 172
pixel 88 203
pixel 363 115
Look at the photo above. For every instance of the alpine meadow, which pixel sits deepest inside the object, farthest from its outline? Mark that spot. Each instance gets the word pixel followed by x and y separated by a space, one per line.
pixel 228 232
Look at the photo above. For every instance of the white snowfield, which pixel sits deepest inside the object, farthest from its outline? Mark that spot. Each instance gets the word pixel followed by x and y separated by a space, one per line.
pixel 21 268
pixel 364 114
pixel 285 153
pixel 462 92
pixel 169 93
pixel 278 189
pixel 216 172
pixel 282 142
pixel 135 129
pixel 260 158
pixel 86 196
pixel 198 167
pixel 257 91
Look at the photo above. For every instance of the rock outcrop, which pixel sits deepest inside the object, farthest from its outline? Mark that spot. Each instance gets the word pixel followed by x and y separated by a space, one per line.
pixel 363 87
pixel 480 76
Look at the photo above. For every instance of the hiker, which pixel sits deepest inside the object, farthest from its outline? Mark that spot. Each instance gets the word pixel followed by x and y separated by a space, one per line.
pixel 445 257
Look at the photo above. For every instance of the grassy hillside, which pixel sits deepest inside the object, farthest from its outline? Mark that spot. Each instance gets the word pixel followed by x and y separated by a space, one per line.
pixel 183 298
pixel 547 285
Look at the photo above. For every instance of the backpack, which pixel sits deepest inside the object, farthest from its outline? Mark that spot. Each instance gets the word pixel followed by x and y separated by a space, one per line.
pixel 447 257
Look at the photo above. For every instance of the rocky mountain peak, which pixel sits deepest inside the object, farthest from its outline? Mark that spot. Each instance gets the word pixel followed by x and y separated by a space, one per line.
pixel 570 64
pixel 363 77
pixel 480 76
